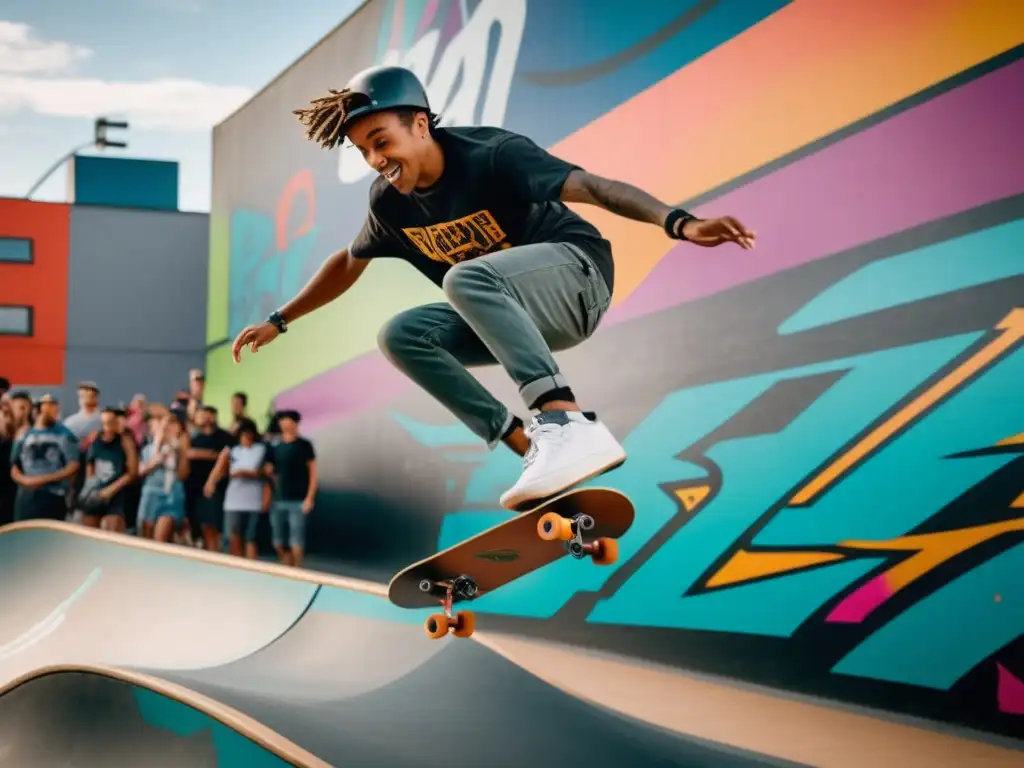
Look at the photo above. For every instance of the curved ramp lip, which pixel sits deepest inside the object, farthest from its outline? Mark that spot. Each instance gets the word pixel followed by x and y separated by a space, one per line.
pixel 774 723
pixel 210 558
pixel 252 729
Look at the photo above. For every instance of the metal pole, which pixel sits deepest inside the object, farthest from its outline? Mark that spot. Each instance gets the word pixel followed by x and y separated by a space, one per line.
pixel 50 171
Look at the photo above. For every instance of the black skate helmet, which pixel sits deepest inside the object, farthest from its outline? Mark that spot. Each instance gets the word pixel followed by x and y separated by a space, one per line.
pixel 381 88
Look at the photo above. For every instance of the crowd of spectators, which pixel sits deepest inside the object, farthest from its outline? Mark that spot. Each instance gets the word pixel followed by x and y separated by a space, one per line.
pixel 168 472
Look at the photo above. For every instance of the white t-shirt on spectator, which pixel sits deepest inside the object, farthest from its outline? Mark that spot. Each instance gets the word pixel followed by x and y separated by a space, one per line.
pixel 83 424
pixel 245 494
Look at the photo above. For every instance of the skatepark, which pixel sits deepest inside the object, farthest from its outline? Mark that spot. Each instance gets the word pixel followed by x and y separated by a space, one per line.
pixel 107 659
pixel 825 435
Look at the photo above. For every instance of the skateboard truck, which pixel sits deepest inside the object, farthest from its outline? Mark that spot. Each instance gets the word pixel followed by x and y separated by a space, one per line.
pixel 553 526
pixel 576 546
pixel 463 623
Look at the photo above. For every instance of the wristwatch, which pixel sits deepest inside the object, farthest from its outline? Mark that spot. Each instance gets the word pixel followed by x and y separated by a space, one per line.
pixel 277 320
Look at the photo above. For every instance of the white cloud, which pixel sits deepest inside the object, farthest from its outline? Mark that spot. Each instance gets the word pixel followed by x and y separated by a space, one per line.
pixel 21 52
pixel 29 80
pixel 173 104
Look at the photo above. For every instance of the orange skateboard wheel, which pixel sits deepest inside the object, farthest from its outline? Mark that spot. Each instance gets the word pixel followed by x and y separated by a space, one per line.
pixel 436 626
pixel 607 552
pixel 552 527
pixel 465 624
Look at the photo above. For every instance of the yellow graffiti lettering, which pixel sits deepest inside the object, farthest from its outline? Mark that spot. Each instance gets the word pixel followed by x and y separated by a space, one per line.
pixel 1012 327
pixel 747 566
pixel 932 549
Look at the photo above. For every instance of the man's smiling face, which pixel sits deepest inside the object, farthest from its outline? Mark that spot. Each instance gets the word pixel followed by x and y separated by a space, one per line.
pixel 392 147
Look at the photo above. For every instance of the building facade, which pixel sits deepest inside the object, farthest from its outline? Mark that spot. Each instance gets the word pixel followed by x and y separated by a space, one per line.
pixel 112 295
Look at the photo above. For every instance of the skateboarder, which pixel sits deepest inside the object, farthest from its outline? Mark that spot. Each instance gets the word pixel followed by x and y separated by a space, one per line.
pixel 480 211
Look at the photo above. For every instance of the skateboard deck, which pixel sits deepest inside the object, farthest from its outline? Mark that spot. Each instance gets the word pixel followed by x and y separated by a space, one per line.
pixel 583 522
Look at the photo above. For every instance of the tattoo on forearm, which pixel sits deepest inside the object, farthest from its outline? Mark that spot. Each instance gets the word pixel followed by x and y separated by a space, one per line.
pixel 628 201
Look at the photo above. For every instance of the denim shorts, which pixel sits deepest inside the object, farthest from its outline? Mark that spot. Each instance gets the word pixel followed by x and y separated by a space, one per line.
pixel 288 514
pixel 155 503
pixel 246 524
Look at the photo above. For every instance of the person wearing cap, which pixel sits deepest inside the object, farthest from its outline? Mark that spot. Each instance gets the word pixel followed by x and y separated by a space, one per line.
pixel 481 212
pixel 44 460
pixel 85 424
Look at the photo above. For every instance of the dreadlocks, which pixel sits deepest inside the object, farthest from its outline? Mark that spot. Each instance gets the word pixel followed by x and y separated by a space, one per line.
pixel 325 116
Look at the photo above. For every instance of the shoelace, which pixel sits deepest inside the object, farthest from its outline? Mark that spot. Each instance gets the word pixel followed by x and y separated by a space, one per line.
pixel 551 436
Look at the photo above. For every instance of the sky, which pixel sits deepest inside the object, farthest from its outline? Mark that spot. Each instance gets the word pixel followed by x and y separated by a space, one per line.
pixel 172 68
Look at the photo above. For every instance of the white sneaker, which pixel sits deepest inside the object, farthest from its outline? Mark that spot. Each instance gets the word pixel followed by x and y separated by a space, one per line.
pixel 566 448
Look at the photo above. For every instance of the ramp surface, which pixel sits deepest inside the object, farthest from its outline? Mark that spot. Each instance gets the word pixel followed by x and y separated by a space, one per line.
pixel 115 651
pixel 337 673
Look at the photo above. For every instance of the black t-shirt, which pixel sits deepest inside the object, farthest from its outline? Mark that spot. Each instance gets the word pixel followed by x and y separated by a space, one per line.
pixel 291 468
pixel 200 469
pixel 108 459
pixel 498 190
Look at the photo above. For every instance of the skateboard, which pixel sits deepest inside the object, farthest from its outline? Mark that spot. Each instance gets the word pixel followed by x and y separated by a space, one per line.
pixel 583 522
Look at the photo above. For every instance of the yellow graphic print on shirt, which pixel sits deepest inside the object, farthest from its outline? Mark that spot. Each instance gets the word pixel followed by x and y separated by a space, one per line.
pixel 454 241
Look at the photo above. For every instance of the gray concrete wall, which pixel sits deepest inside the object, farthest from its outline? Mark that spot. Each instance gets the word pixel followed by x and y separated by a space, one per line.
pixel 136 301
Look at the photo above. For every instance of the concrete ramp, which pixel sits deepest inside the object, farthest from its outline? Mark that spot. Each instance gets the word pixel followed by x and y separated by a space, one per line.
pixel 80 599
pixel 119 652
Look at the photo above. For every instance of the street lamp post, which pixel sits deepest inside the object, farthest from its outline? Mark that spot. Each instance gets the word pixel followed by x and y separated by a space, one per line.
pixel 99 141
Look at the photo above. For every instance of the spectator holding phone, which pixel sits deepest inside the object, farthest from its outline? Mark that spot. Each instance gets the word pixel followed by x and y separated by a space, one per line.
pixel 165 466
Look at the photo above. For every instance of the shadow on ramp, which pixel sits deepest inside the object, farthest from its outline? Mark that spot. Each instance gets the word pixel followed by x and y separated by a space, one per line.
pixel 413 702
pixel 64 716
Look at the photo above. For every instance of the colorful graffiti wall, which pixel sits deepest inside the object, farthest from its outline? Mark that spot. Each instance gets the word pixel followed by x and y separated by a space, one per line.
pixel 825 435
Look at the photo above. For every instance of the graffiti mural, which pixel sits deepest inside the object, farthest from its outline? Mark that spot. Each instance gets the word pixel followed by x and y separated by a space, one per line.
pixel 878 495
pixel 272 257
pixel 825 435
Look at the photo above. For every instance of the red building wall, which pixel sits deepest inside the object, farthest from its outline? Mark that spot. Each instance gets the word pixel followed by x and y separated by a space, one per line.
pixel 37 359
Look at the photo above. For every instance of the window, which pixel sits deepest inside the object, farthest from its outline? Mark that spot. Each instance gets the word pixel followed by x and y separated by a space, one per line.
pixel 15 250
pixel 15 321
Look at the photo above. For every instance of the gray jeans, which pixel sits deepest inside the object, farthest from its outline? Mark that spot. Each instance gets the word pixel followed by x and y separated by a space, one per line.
pixel 513 308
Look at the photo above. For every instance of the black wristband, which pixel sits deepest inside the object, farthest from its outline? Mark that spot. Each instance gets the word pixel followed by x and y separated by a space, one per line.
pixel 670 222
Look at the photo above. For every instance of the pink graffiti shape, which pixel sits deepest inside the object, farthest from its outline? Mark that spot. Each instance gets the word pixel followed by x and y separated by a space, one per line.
pixel 856 607
pixel 1010 693
pixel 427 18
pixel 299 186
pixel 453 24
pixel 396 25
